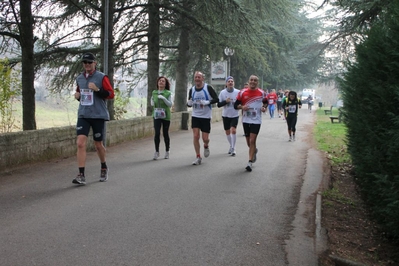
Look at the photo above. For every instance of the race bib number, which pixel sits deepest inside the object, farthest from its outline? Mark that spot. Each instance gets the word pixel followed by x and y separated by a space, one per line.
pixel 271 101
pixel 198 105
pixel 251 113
pixel 291 108
pixel 86 97
pixel 159 113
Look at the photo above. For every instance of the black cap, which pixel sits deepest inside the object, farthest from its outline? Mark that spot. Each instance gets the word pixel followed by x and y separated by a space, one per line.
pixel 88 57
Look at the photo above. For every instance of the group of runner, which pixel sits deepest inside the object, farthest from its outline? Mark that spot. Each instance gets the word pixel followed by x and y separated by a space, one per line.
pixel 251 100
pixel 94 88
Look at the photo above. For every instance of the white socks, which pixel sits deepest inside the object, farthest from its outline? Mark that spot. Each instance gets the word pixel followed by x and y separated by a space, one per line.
pixel 229 139
pixel 232 140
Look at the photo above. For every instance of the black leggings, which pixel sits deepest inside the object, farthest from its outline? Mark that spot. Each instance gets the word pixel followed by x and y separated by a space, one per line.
pixel 291 122
pixel 158 123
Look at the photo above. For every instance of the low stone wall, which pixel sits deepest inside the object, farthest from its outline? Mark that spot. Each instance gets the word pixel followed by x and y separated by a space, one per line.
pixel 24 147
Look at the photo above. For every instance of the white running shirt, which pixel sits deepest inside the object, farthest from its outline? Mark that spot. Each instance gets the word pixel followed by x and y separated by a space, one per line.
pixel 228 109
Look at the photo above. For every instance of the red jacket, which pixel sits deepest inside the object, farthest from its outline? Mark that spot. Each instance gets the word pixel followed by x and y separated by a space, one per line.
pixel 271 98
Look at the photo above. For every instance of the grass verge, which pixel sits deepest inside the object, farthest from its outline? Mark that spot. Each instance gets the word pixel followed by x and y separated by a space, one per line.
pixel 330 138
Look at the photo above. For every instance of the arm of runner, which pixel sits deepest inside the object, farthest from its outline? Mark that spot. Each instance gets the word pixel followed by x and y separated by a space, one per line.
pixel 168 101
pixel 265 102
pixel 189 101
pixel 77 93
pixel 106 92
pixel 221 102
pixel 213 94
pixel 237 105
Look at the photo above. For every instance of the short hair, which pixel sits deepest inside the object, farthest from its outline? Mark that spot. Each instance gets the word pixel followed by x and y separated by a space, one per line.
pixel 253 75
pixel 199 72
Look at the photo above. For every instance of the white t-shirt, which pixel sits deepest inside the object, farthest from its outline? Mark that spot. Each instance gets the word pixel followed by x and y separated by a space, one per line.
pixel 228 109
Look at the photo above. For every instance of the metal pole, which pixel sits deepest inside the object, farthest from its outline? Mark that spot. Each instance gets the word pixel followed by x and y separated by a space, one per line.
pixel 229 66
pixel 106 36
pixel 105 59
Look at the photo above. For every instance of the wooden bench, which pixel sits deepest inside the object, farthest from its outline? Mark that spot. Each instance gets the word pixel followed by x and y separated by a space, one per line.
pixel 339 117
pixel 328 112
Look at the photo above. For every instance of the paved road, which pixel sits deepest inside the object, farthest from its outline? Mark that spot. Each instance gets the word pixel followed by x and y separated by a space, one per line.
pixel 166 212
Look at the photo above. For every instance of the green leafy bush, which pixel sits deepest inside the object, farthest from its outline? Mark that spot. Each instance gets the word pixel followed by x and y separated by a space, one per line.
pixel 370 92
pixel 10 89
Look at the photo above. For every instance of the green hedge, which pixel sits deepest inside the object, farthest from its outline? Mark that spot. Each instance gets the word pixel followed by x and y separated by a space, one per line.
pixel 370 92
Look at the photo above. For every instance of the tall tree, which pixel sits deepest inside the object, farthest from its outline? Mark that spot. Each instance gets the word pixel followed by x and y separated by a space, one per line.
pixel 18 25
pixel 195 37
pixel 28 72
pixel 355 18
pixel 182 62
pixel 153 49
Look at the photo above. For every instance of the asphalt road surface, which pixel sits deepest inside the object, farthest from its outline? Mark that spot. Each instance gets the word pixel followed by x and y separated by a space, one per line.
pixel 166 212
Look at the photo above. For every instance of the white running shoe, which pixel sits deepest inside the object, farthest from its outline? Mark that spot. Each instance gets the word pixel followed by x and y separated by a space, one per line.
pixel 293 137
pixel 166 155
pixel 233 152
pixel 197 161
pixel 290 139
pixel 156 155
pixel 230 150
pixel 206 152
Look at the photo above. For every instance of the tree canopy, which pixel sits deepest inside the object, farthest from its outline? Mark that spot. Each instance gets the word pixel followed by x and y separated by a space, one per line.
pixel 274 39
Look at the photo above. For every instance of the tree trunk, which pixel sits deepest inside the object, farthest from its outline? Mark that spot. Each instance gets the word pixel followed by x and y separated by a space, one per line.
pixel 183 59
pixel 28 71
pixel 153 50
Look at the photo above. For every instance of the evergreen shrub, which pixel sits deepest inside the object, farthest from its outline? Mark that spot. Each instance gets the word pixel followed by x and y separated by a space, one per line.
pixel 370 90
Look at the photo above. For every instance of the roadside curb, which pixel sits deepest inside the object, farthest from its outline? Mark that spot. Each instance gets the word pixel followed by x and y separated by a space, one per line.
pixel 318 233
pixel 345 262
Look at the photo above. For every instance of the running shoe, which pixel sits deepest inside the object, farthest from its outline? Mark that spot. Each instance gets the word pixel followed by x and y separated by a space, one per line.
pixel 206 152
pixel 197 161
pixel 80 179
pixel 230 150
pixel 166 155
pixel 293 137
pixel 254 158
pixel 104 175
pixel 249 167
pixel 156 155
pixel 233 153
pixel 290 139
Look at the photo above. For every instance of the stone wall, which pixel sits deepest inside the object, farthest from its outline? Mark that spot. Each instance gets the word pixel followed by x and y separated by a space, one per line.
pixel 24 147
